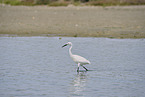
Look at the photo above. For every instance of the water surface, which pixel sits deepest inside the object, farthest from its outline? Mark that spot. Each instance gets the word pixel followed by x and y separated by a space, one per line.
pixel 39 67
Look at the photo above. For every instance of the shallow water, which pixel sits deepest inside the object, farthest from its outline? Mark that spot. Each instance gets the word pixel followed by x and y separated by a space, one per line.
pixel 39 67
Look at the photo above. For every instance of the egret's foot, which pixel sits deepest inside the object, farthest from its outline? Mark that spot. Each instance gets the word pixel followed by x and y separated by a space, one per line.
pixel 85 68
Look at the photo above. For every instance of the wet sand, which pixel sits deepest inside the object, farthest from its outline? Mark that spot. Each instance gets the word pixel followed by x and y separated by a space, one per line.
pixel 88 21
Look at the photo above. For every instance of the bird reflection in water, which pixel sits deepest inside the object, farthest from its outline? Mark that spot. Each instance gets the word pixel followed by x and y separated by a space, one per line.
pixel 79 84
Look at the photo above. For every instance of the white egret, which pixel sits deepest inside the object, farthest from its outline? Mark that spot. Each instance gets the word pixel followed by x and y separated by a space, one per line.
pixel 76 58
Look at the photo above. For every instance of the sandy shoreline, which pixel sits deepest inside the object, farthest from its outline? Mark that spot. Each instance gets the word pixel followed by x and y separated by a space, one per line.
pixel 113 22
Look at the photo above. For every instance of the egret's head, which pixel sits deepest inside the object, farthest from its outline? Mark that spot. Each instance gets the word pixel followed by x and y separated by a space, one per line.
pixel 69 43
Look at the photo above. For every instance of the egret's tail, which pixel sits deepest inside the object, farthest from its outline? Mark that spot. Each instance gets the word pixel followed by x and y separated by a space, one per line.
pixel 89 62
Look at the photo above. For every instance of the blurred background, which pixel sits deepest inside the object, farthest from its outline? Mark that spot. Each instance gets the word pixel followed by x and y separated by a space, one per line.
pixel 74 2
pixel 109 33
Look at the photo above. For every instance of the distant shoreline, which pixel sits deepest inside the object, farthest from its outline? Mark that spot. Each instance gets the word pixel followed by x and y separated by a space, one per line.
pixel 73 21
pixel 73 2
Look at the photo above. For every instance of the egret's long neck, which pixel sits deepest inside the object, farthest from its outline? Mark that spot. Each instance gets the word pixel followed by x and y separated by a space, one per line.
pixel 70 53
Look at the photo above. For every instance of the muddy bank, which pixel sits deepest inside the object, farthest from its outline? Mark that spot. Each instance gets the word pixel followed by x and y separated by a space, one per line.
pixel 113 22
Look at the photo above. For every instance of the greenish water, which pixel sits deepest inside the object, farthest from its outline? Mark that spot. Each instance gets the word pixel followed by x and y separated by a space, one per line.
pixel 39 67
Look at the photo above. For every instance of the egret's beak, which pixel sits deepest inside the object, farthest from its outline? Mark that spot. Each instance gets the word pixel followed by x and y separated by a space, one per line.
pixel 64 45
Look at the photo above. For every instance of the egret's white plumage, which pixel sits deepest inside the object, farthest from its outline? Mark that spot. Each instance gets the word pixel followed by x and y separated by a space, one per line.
pixel 76 58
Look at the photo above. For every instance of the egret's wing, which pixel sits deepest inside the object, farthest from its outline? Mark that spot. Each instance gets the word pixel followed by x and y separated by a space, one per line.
pixel 79 59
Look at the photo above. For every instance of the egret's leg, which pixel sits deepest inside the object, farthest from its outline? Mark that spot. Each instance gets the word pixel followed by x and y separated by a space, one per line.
pixel 78 67
pixel 85 68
